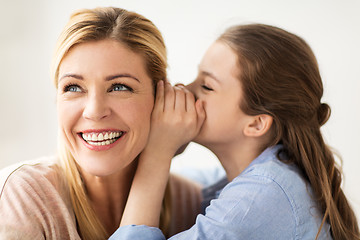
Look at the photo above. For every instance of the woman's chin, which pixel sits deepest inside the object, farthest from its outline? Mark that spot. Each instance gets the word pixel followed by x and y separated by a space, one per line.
pixel 101 167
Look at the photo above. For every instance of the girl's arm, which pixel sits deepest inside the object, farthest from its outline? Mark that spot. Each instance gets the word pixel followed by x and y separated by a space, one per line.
pixel 176 120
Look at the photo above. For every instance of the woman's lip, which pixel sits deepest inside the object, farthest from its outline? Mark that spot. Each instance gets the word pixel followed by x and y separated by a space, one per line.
pixel 100 130
pixel 100 147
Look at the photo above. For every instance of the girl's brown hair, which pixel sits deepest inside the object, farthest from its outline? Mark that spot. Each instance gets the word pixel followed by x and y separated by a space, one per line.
pixel 280 77
pixel 139 35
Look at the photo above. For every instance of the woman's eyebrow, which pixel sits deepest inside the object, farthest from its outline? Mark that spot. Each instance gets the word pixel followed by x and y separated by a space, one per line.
pixel 71 75
pixel 124 75
pixel 109 78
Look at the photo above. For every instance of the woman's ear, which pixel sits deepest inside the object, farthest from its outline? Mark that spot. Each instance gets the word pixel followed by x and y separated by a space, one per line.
pixel 258 125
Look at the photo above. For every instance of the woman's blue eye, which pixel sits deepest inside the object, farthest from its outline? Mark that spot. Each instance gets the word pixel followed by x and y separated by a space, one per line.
pixel 120 87
pixel 72 88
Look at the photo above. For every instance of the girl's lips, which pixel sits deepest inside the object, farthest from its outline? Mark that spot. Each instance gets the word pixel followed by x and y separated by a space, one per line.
pixel 100 140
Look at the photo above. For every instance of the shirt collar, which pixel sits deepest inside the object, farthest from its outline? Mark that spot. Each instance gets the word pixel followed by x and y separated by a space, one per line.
pixel 268 154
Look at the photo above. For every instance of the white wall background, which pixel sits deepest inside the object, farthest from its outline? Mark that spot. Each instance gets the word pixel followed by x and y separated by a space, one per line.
pixel 29 29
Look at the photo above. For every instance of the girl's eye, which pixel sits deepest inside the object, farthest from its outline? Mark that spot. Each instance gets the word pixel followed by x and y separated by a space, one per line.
pixel 72 88
pixel 120 87
pixel 207 88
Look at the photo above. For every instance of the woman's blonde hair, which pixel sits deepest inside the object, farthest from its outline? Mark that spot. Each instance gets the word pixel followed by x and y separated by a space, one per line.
pixel 139 35
pixel 280 77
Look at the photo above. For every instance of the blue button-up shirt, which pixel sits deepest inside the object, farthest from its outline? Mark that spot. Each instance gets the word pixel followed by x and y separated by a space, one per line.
pixel 268 200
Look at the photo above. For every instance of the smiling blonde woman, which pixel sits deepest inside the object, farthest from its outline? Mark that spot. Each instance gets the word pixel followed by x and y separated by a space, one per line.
pixel 106 66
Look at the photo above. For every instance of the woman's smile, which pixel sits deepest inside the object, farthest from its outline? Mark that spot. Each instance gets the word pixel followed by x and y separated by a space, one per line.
pixel 101 139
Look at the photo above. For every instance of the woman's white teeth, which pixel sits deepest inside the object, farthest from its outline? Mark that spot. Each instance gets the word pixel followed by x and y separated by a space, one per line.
pixel 101 138
pixel 102 143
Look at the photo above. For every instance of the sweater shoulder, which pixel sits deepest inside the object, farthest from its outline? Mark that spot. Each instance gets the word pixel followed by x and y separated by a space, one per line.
pixel 35 202
pixel 31 174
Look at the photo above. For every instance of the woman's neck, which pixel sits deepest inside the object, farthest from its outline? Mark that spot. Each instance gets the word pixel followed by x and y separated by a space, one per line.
pixel 108 195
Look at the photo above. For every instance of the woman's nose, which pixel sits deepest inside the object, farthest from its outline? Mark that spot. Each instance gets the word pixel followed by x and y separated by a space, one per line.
pixel 96 107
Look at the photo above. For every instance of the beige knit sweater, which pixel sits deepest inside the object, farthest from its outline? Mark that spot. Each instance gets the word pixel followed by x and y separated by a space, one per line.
pixel 35 203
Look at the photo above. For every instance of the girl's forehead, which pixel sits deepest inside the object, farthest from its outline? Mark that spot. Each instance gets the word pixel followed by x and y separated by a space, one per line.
pixel 220 62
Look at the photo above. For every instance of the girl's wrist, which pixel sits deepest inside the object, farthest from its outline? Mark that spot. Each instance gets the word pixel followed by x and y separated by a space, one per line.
pixel 159 151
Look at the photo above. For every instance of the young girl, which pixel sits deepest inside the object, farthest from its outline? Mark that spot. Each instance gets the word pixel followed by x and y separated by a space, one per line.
pixel 261 90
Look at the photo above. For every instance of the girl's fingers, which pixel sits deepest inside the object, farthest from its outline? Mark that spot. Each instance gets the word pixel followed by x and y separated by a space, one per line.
pixel 193 109
pixel 159 100
pixel 190 102
pixel 180 104
pixel 189 98
pixel 201 115
pixel 169 97
pixel 180 85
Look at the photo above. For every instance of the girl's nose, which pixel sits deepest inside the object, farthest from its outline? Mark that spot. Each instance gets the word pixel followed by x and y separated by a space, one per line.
pixel 96 108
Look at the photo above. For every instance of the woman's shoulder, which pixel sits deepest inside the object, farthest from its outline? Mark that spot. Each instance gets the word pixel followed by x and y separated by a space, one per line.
pixel 34 201
pixel 41 179
pixel 31 173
